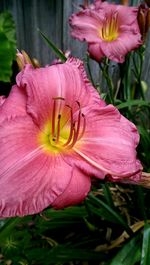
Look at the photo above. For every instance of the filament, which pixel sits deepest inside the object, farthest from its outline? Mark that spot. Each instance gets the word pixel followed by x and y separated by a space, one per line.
pixel 77 128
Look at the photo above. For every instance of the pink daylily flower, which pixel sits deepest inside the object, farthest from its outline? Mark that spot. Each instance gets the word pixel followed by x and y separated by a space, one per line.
pixel 55 134
pixel 110 30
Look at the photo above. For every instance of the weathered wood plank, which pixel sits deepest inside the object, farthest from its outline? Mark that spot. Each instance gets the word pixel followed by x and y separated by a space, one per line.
pixel 30 15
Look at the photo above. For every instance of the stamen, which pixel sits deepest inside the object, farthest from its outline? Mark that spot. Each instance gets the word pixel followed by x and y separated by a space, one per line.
pixel 78 104
pixel 76 132
pixel 58 129
pixel 53 118
pixel 83 127
pixel 54 115
pixel 55 98
pixel 71 126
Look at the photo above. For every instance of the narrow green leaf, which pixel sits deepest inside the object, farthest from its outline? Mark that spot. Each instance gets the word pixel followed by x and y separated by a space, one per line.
pixel 145 259
pixel 140 202
pixel 130 254
pixel 62 254
pixel 135 102
pixel 112 213
pixel 54 48
pixel 145 135
pixel 6 229
pixel 107 195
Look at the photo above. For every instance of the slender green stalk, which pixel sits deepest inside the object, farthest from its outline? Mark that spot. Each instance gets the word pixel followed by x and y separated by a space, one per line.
pixel 89 70
pixel 105 71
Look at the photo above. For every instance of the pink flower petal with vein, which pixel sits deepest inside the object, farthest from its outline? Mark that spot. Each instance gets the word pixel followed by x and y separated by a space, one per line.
pixel 85 25
pixel 109 143
pixel 14 105
pixel 76 190
pixel 2 100
pixel 95 51
pixel 30 180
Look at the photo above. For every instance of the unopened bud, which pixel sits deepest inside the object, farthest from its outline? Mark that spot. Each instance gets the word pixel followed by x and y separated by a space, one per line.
pixel 143 20
pixel 125 2
pixel 147 24
pixel 35 63
pixel 23 58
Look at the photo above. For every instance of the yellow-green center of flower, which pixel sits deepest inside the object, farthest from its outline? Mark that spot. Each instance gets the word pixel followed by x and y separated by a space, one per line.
pixel 58 134
pixel 109 30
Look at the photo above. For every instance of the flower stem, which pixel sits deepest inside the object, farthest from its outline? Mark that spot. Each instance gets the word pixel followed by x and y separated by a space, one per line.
pixel 105 70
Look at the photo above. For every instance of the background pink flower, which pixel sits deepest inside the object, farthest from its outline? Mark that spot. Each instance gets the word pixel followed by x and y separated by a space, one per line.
pixel 110 30
pixel 56 133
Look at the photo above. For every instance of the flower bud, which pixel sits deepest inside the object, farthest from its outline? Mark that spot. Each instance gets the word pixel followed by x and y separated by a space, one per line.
pixel 23 58
pixel 125 2
pixel 143 20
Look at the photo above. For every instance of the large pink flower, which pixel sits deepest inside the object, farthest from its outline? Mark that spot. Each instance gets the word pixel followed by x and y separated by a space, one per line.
pixel 56 133
pixel 110 30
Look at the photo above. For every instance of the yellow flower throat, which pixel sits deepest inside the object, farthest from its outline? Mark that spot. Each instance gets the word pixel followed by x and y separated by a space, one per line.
pixel 57 137
pixel 109 30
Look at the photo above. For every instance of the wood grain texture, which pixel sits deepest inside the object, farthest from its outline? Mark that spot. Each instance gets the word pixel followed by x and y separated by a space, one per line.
pixel 51 17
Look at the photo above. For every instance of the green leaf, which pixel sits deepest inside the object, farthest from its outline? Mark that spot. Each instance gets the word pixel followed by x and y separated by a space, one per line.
pixel 62 254
pixel 107 194
pixel 145 135
pixel 6 229
pixel 145 259
pixel 7 46
pixel 104 210
pixel 135 102
pixel 58 53
pixel 130 254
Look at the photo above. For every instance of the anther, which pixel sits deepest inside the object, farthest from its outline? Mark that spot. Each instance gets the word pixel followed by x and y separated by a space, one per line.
pixel 78 103
pixel 61 98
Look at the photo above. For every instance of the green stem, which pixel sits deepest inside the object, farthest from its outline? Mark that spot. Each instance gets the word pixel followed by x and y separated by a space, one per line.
pixel 138 70
pixel 89 70
pixel 105 71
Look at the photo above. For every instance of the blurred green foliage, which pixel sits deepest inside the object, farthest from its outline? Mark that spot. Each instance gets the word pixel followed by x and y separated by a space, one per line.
pixel 7 46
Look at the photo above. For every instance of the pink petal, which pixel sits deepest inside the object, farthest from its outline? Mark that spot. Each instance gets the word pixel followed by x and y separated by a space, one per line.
pixel 127 15
pixel 2 100
pixel 30 179
pixel 95 51
pixel 116 50
pixel 120 10
pixel 76 190
pixel 85 25
pixel 109 142
pixel 14 105
pixel 66 80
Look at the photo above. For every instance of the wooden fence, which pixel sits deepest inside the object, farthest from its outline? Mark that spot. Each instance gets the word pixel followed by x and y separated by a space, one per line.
pixel 51 17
